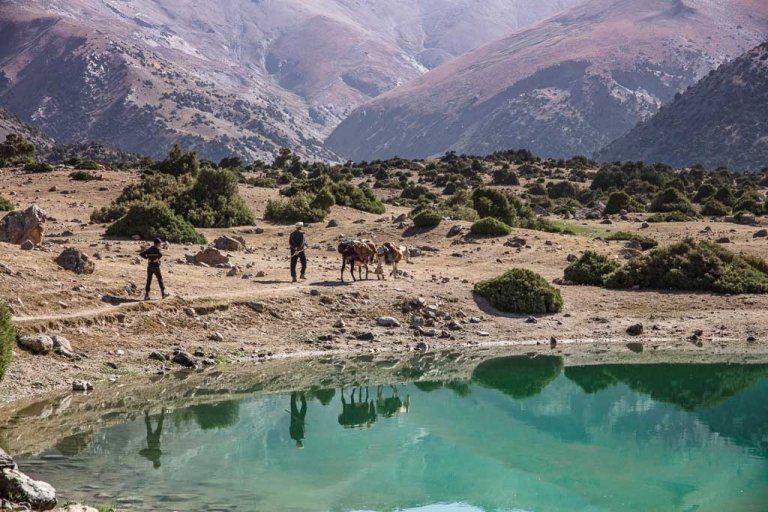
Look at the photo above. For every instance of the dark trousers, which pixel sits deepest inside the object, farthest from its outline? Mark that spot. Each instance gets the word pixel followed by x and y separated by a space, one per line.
pixel 294 260
pixel 154 271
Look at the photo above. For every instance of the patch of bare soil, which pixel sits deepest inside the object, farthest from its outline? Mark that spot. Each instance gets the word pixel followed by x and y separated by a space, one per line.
pixel 260 315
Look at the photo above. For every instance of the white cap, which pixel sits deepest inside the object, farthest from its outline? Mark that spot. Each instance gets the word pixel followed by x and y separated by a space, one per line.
pixel 299 225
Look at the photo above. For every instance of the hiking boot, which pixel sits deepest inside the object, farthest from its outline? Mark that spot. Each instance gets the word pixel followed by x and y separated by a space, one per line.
pixel 166 295
pixel 146 296
pixel 303 276
pixel 294 280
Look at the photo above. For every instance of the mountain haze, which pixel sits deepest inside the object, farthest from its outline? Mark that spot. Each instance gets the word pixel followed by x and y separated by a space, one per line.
pixel 721 121
pixel 245 76
pixel 568 85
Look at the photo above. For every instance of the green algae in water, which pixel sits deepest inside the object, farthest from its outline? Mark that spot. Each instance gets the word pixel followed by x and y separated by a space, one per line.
pixel 519 434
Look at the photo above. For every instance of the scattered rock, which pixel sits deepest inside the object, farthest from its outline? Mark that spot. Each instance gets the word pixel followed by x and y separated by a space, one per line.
pixel 20 226
pixel 723 240
pixel 421 347
pixel 455 231
pixel 531 320
pixel 635 330
pixel 75 260
pixel 158 356
pixel 62 346
pixel 36 344
pixel 257 306
pixel 635 346
pixel 216 336
pixel 208 256
pixel 17 487
pixel 516 242
pixel 332 224
pixel 233 271
pixel 82 385
pixel 571 258
pixel 6 462
pixel 760 234
pixel 28 245
pixel 400 219
pixel 388 321
pixel 365 336
pixel 340 324
pixel 230 243
pixel 184 359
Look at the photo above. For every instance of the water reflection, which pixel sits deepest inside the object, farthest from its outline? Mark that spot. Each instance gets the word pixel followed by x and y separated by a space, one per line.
pixel 153 452
pixel 357 412
pixel 298 419
pixel 510 433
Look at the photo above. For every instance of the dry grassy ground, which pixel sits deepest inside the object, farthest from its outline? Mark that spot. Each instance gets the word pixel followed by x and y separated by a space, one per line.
pixel 593 322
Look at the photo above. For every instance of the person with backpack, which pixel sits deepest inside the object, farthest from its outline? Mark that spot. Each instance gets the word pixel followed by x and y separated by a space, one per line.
pixel 298 244
pixel 153 257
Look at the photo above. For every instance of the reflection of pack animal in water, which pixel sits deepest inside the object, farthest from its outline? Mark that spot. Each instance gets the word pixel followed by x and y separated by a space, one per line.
pixel 358 253
pixel 392 406
pixel 152 452
pixel 357 414
pixel 390 254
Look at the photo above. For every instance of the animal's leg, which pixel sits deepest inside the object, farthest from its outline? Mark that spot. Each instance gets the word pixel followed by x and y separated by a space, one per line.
pixel 343 265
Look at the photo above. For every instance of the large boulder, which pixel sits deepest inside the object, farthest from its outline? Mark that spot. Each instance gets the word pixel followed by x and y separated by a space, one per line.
pixel 36 343
pixel 75 260
pixel 17 487
pixel 6 462
pixel 229 243
pixel 20 226
pixel 209 256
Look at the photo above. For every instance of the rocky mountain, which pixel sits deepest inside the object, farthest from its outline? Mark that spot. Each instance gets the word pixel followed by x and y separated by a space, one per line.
pixel 10 123
pixel 245 76
pixel 720 121
pixel 568 85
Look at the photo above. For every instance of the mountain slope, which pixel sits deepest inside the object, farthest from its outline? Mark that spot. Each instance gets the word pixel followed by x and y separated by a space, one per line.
pixel 9 123
pixel 720 121
pixel 246 76
pixel 568 85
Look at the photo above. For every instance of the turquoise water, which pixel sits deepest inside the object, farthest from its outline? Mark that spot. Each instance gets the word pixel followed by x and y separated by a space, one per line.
pixel 521 434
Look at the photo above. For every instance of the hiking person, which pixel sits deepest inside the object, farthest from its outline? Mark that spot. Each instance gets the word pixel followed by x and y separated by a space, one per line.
pixel 153 256
pixel 298 243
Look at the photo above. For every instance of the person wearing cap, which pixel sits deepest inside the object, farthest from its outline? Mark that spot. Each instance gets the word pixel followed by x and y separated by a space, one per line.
pixel 298 243
pixel 153 256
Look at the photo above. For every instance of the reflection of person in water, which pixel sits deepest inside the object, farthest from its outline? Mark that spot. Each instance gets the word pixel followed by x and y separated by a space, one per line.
pixel 298 419
pixel 357 414
pixel 152 452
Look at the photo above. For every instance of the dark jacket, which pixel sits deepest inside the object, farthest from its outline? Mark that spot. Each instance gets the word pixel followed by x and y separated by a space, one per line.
pixel 297 241
pixel 152 254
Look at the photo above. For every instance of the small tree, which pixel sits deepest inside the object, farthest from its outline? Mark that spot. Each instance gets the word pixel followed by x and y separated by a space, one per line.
pixel 16 150
pixel 179 163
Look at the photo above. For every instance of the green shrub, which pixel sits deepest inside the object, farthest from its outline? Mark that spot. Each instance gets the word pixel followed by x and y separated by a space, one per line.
pixel 427 219
pixel 84 176
pixel 490 227
pixel 324 200
pixel 505 177
pixel 671 200
pixel 38 167
pixel 155 219
pixel 6 205
pixel 645 242
pixel 590 269
pixel 622 201
pixel 262 182
pixel 691 265
pixel 494 203
pixel 179 163
pixel 358 197
pixel 88 165
pixel 669 217
pixel 16 150
pixel 7 339
pixel 715 208
pixel 295 209
pixel 521 291
pixel 213 201
pixel 110 213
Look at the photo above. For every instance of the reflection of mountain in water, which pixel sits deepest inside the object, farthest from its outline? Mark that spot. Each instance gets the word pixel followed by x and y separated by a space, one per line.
pixel 689 386
pixel 518 376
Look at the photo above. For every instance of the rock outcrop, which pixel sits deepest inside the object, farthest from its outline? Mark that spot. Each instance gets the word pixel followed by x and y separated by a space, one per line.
pixel 16 487
pixel 230 243
pixel 209 256
pixel 75 260
pixel 19 226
